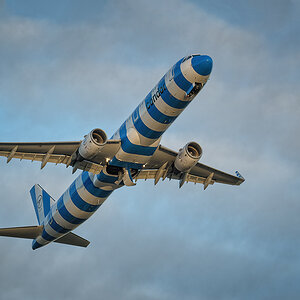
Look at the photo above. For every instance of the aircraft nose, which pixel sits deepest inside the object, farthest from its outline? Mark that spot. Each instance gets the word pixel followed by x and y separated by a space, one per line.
pixel 202 64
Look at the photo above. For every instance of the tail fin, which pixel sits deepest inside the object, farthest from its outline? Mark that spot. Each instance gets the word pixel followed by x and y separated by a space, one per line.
pixel 42 202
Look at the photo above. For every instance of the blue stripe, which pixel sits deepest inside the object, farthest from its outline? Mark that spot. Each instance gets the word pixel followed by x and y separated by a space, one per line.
pixel 160 117
pixel 79 202
pixel 46 202
pixel 129 174
pixel 202 64
pixel 123 131
pixel 69 217
pixel 47 236
pixel 106 178
pixel 144 130
pixel 89 186
pixel 33 197
pixel 36 245
pixel 57 227
pixel 128 147
pixel 124 164
pixel 180 79
pixel 172 101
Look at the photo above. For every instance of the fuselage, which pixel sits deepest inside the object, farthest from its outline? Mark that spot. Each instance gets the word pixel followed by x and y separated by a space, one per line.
pixel 140 136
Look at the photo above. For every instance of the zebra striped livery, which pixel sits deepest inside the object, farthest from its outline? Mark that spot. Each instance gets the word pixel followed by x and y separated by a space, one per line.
pixel 141 132
pixel 140 136
pixel 133 152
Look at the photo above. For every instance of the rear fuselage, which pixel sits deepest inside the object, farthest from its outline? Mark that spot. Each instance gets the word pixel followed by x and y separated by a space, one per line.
pixel 140 136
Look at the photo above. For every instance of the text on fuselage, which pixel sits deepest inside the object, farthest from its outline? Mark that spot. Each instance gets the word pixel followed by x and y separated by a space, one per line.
pixel 156 95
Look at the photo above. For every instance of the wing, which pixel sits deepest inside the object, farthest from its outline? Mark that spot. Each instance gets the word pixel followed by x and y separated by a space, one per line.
pixel 161 165
pixel 59 153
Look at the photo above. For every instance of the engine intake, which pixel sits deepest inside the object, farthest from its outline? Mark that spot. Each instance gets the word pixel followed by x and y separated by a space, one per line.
pixel 92 144
pixel 188 156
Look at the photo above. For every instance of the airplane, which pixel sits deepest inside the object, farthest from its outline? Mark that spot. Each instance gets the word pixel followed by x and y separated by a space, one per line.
pixel 134 152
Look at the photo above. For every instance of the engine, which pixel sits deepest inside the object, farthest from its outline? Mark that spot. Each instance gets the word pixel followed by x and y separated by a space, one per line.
pixel 92 144
pixel 188 156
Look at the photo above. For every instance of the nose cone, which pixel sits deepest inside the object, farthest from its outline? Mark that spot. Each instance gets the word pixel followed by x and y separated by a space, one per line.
pixel 202 64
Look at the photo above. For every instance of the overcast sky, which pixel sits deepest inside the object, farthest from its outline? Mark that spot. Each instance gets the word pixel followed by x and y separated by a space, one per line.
pixel 67 67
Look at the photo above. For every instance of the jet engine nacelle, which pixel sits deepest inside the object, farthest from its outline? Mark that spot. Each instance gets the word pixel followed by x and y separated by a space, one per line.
pixel 188 156
pixel 92 144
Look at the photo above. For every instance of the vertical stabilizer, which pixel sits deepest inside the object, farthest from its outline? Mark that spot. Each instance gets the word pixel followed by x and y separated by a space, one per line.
pixel 42 202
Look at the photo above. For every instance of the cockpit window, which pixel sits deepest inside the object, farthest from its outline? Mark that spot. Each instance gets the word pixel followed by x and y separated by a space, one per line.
pixel 186 58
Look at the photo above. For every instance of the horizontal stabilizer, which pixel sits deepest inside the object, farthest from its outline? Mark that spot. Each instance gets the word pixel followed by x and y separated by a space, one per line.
pixel 73 239
pixel 27 232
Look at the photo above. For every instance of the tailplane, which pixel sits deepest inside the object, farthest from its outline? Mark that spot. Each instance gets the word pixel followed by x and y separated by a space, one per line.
pixel 27 232
pixel 73 239
pixel 32 232
pixel 42 202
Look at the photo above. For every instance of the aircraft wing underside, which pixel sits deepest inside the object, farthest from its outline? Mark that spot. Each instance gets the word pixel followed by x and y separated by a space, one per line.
pixel 59 153
pixel 164 158
pixel 160 165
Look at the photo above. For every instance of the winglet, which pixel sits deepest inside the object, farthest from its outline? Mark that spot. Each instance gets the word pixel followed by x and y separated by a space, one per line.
pixel 239 175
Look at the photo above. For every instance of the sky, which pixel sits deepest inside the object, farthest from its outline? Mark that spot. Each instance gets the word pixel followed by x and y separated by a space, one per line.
pixel 67 67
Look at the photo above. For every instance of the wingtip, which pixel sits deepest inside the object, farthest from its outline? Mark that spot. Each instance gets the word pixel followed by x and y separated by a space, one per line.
pixel 241 178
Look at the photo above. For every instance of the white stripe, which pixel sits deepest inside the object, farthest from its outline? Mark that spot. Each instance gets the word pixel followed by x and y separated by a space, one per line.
pixel 166 109
pixel 149 121
pixel 40 205
pixel 85 194
pixel 74 210
pixel 62 222
pixel 190 74
pixel 136 138
pixel 91 175
pixel 176 91
pixel 54 208
pixel 134 158
pixel 52 232
pixel 42 241
pixel 141 140
pixel 105 187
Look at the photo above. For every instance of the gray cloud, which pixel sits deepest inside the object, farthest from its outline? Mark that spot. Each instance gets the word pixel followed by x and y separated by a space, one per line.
pixel 64 72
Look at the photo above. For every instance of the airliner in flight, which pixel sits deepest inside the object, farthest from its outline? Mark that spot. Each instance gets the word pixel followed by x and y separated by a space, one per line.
pixel 133 152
